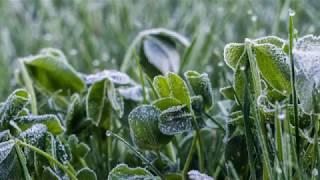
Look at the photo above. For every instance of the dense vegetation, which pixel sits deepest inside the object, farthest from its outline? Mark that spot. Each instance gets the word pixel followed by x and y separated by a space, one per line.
pixel 115 98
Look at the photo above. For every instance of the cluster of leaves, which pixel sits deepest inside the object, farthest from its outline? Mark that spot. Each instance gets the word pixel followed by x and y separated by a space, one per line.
pixel 263 118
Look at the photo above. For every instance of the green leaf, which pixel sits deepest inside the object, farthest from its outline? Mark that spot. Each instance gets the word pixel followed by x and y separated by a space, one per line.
pixel 165 103
pixel 200 85
pixel 98 106
pixel 10 167
pixel 51 121
pixel 115 99
pixel 161 85
pixel 48 173
pixel 175 120
pixel 13 105
pixel 143 122
pixel 228 92
pixel 232 54
pixel 123 172
pixel 51 71
pixel 73 108
pixel 271 40
pixel 86 174
pixel 159 55
pixel 78 149
pixel 179 89
pixel 273 65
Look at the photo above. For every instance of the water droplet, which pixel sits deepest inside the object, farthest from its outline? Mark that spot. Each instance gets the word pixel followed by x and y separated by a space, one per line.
pixel 292 12
pixel 278 170
pixel 242 68
pixel 315 172
pixel 254 18
pixel 73 52
pixel 282 116
pixel 108 133
pixel 220 64
pixel 96 62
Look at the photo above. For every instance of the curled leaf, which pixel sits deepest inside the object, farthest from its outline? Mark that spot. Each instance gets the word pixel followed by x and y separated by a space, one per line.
pixel 123 172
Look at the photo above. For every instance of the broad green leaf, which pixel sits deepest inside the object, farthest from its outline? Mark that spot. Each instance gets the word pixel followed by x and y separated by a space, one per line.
pixel 232 54
pixel 86 174
pixel 71 112
pixel 306 57
pixel 52 72
pixel 174 176
pixel 175 120
pixel 239 75
pixel 165 103
pixel 271 40
pixel 161 85
pixel 115 100
pixel 10 167
pixel 273 65
pixel 159 55
pixel 123 172
pixel 200 85
pixel 179 89
pixel 51 121
pixel 98 106
pixel 5 149
pixel 143 122
pixel 13 105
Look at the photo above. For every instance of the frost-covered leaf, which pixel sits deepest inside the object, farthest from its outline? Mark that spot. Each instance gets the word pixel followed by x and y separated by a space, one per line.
pixel 196 175
pixel 232 54
pixel 51 121
pixel 48 173
pixel 4 135
pixel 62 152
pixel 13 105
pixel 52 72
pixel 123 172
pixel 161 85
pixel 307 61
pixel 98 106
pixel 179 89
pixel 133 93
pixel 73 107
pixel 86 174
pixel 35 135
pixel 175 120
pixel 5 149
pixel 159 56
pixel 9 164
pixel 200 85
pixel 165 103
pixel 116 77
pixel 274 67
pixel 143 122
pixel 271 40
pixel 115 100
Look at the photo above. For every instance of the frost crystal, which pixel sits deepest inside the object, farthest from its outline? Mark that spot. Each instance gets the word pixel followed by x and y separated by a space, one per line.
pixel 196 175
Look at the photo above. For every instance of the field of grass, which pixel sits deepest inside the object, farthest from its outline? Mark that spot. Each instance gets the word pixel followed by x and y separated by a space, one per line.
pixel 153 89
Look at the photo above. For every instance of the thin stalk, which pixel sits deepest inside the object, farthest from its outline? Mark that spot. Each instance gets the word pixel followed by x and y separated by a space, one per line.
pixel 49 157
pixel 189 157
pixel 144 92
pixel 23 163
pixel 83 163
pixel 29 85
pixel 139 155
pixel 246 121
pixel 215 121
pixel 170 152
pixel 200 146
pixel 293 87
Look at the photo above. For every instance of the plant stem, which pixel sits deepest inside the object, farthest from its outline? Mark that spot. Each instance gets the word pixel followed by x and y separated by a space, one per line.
pixel 200 148
pixel 293 87
pixel 144 92
pixel 215 121
pixel 49 157
pixel 189 157
pixel 23 163
pixel 139 155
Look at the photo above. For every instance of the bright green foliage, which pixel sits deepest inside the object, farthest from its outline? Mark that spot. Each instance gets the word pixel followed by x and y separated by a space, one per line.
pixel 123 172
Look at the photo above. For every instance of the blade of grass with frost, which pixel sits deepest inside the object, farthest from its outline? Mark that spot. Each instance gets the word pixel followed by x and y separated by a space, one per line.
pixel 293 86
pixel 258 121
pixel 246 120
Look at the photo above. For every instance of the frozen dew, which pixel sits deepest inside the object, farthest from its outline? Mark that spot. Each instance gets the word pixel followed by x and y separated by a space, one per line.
pixel 95 62
pixel 220 64
pixel 73 52
pixel 196 175
pixel 278 170
pixel 242 68
pixel 254 18
pixel 5 149
pixel 315 172
pixel 282 116
pixel 292 12
pixel 108 133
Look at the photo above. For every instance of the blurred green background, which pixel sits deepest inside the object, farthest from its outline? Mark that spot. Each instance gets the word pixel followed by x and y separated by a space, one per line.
pixel 95 34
